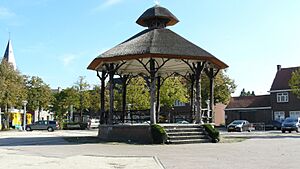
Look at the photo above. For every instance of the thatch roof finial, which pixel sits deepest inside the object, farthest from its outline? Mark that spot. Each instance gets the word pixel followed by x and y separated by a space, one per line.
pixel 157 17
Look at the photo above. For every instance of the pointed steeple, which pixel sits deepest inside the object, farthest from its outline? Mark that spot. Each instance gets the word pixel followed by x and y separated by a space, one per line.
pixel 9 54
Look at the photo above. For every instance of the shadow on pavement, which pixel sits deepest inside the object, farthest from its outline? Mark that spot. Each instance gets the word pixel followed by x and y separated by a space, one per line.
pixel 39 141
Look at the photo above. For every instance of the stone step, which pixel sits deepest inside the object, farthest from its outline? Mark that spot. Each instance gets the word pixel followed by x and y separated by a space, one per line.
pixel 185 133
pixel 189 141
pixel 181 126
pixel 183 130
pixel 187 137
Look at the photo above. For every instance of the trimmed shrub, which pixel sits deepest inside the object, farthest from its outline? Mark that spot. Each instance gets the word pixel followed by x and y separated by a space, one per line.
pixel 159 135
pixel 212 132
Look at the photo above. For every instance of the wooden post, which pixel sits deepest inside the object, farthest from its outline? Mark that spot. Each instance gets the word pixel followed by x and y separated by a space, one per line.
pixel 111 93
pixel 192 102
pixel 198 71
pixel 211 98
pixel 152 92
pixel 102 96
pixel 124 93
pixel 158 97
pixel 211 73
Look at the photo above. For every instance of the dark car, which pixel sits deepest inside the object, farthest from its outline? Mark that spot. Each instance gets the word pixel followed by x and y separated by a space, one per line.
pixel 274 125
pixel 290 124
pixel 239 125
pixel 42 125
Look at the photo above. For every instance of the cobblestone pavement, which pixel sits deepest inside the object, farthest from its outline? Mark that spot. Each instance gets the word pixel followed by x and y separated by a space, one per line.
pixel 262 151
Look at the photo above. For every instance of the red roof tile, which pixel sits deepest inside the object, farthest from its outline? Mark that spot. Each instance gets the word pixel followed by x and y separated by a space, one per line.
pixel 249 102
pixel 281 80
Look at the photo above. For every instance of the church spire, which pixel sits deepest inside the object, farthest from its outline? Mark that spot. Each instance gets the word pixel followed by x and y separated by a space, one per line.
pixel 9 55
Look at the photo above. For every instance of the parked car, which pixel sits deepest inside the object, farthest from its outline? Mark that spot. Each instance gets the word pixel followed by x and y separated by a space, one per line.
pixel 290 124
pixel 95 123
pixel 42 125
pixel 182 122
pixel 274 125
pixel 239 125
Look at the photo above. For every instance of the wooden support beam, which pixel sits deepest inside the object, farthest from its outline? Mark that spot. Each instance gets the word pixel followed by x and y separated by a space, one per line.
pixel 211 73
pixel 152 92
pixel 124 79
pixel 102 96
pixel 198 67
pixel 192 104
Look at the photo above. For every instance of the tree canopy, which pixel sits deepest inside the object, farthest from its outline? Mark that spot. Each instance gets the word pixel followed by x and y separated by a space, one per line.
pixel 39 94
pixel 294 82
pixel 173 89
pixel 248 93
pixel 224 86
pixel 12 88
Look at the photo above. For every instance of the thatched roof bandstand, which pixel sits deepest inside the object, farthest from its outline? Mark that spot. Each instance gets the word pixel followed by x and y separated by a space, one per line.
pixel 156 52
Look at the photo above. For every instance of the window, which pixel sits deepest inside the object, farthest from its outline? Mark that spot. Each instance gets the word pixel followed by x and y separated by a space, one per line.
pixel 279 115
pixel 178 103
pixel 282 97
pixel 294 114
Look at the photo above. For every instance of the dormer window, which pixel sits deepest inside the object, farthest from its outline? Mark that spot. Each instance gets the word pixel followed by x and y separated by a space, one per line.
pixel 282 97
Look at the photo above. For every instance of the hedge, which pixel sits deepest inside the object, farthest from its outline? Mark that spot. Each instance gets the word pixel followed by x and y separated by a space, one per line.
pixel 159 135
pixel 212 132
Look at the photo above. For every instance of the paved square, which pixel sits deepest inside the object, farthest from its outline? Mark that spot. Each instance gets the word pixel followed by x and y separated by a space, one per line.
pixel 265 150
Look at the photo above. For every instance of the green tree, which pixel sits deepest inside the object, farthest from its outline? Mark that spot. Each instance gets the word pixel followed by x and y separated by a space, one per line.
pixel 95 100
pixel 63 102
pixel 244 93
pixel 173 89
pixel 12 88
pixel 82 87
pixel 39 94
pixel 294 82
pixel 138 94
pixel 224 86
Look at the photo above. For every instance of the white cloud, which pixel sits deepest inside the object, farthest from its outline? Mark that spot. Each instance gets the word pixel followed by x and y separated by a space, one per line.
pixel 6 13
pixel 109 3
pixel 67 59
pixel 106 4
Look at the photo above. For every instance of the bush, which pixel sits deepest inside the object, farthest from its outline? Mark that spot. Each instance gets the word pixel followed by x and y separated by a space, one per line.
pixel 212 132
pixel 74 126
pixel 159 135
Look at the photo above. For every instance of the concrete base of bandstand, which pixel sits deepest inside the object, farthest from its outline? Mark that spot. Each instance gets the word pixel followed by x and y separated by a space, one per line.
pixel 129 133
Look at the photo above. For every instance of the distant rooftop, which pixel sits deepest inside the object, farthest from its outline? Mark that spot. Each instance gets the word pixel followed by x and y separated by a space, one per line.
pixel 281 80
pixel 249 102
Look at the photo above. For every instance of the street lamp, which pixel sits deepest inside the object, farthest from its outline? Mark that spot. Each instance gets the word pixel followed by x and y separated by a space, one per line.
pixel 24 102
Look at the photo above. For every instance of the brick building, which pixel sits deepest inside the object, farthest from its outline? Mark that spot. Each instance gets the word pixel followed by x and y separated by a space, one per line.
pixel 278 105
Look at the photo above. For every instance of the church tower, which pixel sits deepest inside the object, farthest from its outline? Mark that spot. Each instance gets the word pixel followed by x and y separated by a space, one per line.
pixel 9 55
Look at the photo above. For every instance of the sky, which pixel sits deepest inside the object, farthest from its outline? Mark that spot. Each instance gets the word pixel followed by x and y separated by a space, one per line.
pixel 56 40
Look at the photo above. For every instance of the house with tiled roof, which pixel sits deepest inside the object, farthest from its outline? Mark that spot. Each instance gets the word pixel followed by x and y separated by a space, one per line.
pixel 255 109
pixel 281 102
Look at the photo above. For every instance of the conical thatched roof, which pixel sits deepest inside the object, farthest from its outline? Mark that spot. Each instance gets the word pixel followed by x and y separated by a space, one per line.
pixel 157 12
pixel 159 43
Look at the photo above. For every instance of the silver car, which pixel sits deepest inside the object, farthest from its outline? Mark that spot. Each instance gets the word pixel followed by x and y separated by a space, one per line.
pixel 42 125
